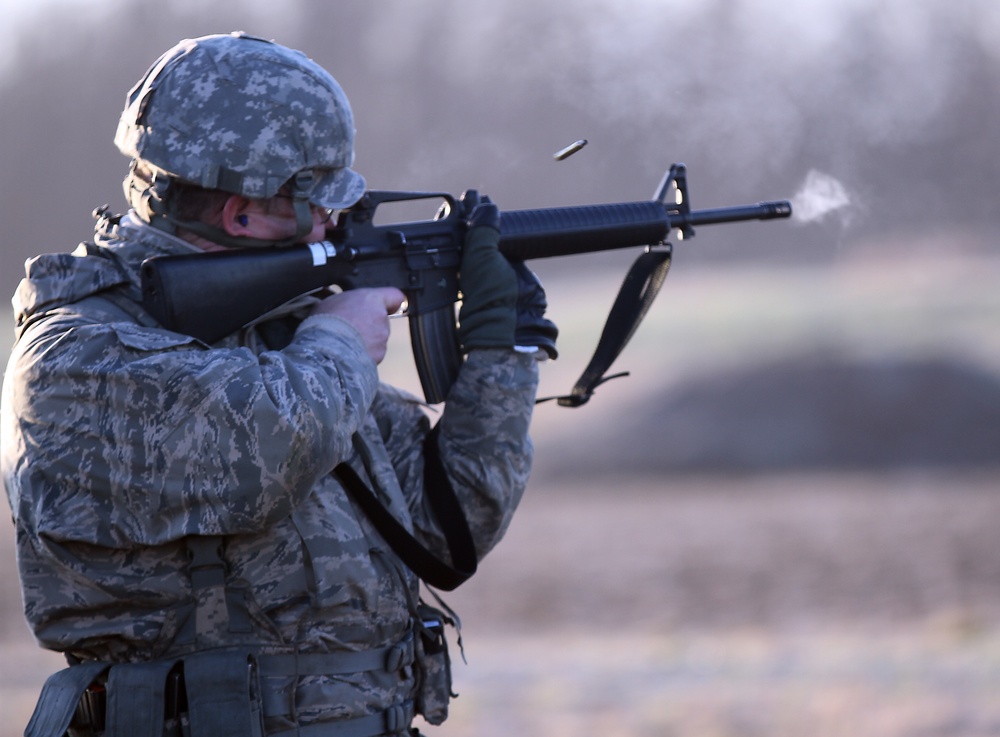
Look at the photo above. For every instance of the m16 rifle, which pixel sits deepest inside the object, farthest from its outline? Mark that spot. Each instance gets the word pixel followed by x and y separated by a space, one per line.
pixel 211 295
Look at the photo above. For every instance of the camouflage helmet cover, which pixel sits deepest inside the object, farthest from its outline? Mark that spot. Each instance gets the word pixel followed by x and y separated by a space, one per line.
pixel 244 115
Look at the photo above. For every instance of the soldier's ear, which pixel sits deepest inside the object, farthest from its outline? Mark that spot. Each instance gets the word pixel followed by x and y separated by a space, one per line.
pixel 237 216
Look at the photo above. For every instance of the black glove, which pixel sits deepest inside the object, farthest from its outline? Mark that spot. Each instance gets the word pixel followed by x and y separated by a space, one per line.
pixel 488 316
pixel 533 328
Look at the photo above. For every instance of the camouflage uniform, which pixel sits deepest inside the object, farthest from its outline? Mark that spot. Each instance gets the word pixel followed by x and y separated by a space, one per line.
pixel 123 442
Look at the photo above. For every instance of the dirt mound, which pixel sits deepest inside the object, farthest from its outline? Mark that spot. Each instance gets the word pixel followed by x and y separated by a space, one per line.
pixel 818 413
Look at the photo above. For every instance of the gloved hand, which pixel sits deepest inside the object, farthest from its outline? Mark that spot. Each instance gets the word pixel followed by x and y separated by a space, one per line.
pixel 533 328
pixel 488 315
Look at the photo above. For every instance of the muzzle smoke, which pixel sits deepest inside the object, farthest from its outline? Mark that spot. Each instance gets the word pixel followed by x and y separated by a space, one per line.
pixel 820 197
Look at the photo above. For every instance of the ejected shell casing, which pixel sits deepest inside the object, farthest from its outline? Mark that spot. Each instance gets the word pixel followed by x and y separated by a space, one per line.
pixel 570 150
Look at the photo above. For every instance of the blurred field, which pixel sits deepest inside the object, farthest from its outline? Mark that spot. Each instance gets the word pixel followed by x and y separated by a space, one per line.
pixel 820 605
pixel 766 597
pixel 767 605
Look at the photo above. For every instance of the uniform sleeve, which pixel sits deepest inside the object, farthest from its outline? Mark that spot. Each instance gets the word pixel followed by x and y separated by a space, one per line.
pixel 484 444
pixel 143 436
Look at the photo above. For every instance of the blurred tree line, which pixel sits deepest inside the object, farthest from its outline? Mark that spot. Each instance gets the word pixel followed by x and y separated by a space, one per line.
pixel 898 102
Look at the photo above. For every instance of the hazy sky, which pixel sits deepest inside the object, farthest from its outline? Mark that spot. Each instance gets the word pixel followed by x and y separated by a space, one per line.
pixel 16 15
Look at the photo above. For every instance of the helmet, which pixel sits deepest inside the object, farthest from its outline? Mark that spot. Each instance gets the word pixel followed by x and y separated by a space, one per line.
pixel 244 115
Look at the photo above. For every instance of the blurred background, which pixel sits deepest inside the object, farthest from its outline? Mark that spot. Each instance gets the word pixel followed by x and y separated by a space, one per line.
pixel 784 520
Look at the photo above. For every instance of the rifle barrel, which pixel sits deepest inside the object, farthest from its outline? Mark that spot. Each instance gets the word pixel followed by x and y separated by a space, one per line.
pixel 760 211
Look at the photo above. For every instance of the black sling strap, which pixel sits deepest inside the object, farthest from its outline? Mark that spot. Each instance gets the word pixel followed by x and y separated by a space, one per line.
pixel 59 699
pixel 636 295
pixel 441 495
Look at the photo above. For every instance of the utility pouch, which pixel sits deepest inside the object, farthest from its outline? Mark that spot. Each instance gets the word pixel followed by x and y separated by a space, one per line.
pixel 135 695
pixel 223 694
pixel 433 665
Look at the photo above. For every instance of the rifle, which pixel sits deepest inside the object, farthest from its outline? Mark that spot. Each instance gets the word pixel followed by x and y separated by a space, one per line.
pixel 211 295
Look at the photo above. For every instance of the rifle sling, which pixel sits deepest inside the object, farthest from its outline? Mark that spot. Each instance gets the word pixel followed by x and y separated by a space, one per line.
pixel 636 295
pixel 441 495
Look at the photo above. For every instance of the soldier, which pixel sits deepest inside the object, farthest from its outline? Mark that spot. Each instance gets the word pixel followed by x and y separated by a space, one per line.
pixel 187 526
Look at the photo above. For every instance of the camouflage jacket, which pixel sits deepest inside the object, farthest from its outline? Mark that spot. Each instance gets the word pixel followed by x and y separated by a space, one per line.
pixel 121 441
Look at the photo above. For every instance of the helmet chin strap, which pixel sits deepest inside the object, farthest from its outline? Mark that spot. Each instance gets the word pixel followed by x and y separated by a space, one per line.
pixel 301 185
pixel 150 200
pixel 303 224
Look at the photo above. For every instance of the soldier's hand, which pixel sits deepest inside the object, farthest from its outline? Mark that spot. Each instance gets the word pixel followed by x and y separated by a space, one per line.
pixel 488 316
pixel 367 310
